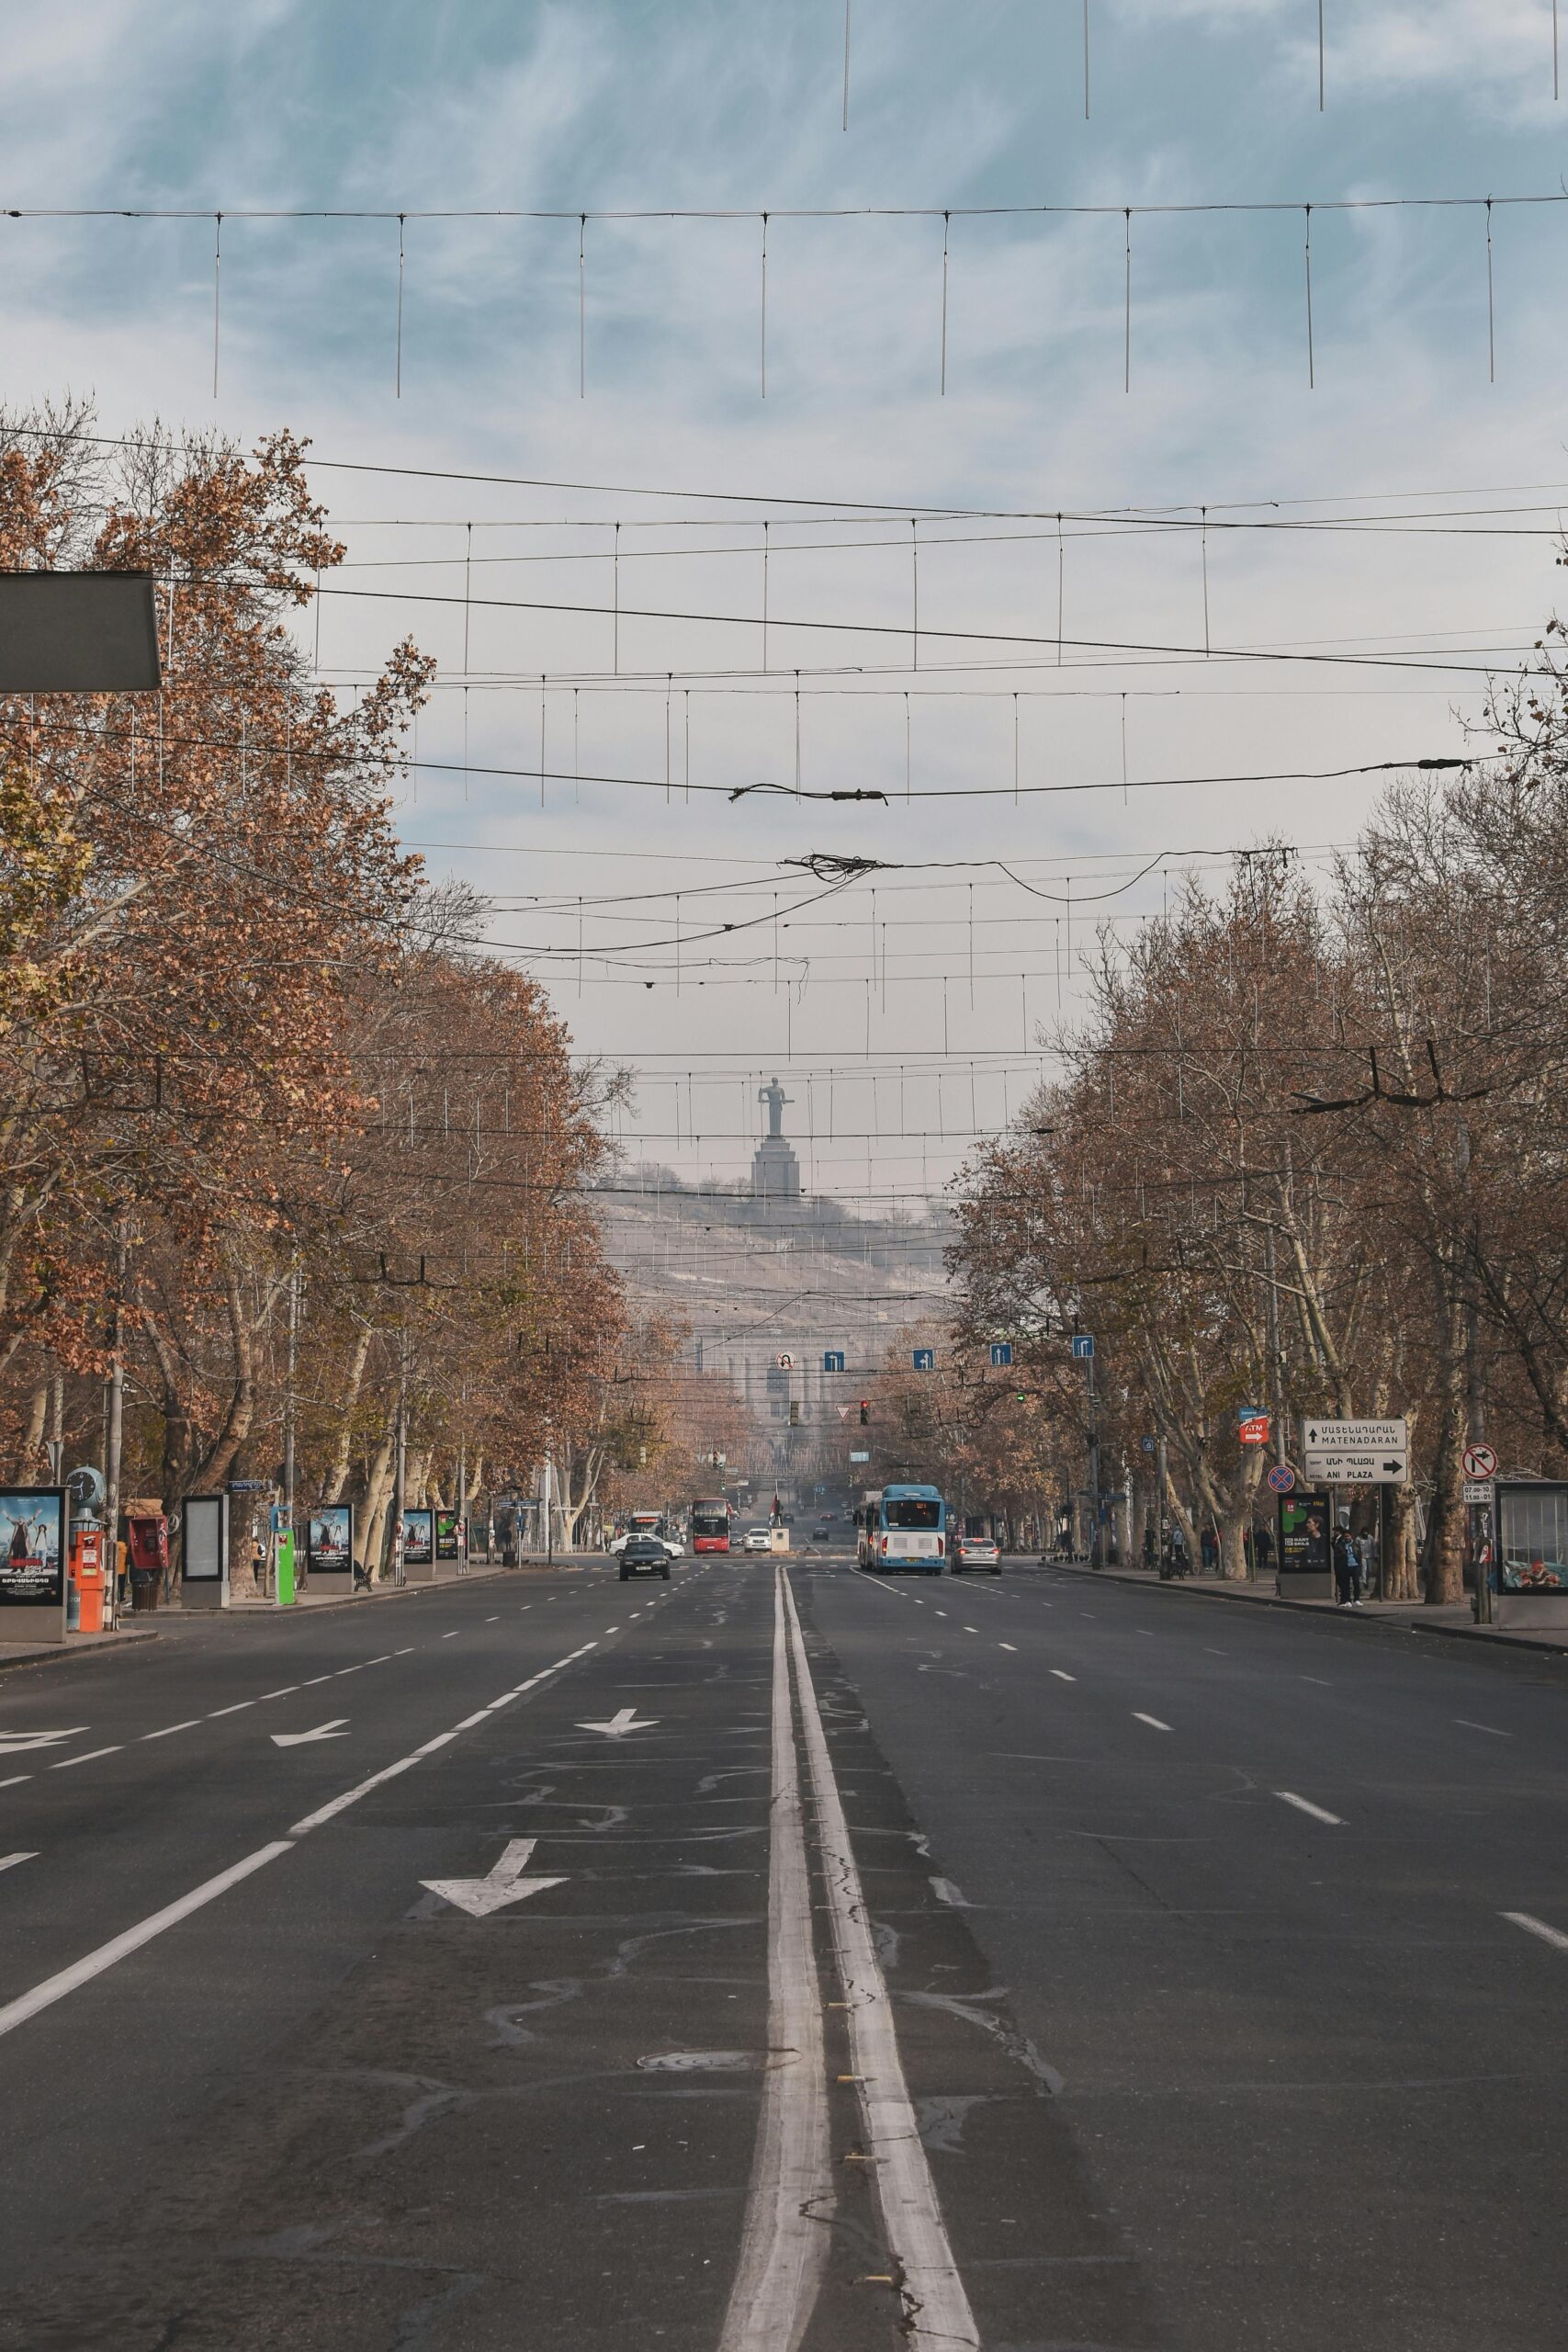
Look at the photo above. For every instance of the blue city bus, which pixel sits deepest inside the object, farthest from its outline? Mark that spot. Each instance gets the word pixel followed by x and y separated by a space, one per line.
pixel 903 1527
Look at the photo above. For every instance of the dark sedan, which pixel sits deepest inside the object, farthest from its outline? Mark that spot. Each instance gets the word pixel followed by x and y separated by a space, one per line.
pixel 644 1556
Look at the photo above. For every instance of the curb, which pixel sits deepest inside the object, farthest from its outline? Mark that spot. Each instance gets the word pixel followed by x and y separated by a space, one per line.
pixel 118 1643
pixel 1309 1609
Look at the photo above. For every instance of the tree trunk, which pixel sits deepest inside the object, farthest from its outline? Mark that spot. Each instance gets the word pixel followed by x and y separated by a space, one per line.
pixel 337 1476
pixel 1445 1527
pixel 368 1519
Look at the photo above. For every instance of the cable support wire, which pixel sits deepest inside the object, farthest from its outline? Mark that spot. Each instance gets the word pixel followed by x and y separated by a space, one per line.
pixel 946 214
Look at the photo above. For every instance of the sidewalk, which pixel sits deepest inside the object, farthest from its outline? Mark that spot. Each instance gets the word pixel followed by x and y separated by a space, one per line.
pixel 1453 1619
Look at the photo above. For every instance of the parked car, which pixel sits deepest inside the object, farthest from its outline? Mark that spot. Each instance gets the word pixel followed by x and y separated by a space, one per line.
pixel 644 1556
pixel 976 1551
pixel 757 1539
pixel 676 1549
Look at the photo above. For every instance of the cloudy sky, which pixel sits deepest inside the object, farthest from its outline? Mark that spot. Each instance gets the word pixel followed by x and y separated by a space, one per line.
pixel 1252 575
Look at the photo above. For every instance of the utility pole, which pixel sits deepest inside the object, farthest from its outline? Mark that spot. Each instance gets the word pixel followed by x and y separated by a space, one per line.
pixel 549 1504
pixel 288 1407
pixel 115 1435
pixel 399 1466
pixel 1093 1401
pixel 462 1529
pixel 1478 1514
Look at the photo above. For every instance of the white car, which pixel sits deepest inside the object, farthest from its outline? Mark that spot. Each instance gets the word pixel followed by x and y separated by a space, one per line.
pixel 676 1551
pixel 757 1539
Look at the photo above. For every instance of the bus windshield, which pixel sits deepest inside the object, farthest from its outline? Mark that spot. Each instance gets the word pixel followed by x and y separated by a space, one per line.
pixel 910 1511
pixel 710 1519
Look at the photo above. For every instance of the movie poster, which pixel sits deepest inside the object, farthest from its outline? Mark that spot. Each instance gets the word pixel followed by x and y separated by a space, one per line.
pixel 331 1537
pixel 32 1545
pixel 449 1535
pixel 419 1538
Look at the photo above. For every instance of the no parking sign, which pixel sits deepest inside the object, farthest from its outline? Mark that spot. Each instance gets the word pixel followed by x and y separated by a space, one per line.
pixel 1282 1478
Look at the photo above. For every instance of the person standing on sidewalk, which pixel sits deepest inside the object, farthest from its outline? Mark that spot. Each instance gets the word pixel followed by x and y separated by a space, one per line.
pixel 1346 1570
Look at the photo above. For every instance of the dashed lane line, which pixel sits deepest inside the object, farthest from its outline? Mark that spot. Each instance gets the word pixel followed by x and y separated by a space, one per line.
pixel 240 1705
pixel 94 1963
pixel 67 1762
pixel 1305 1804
pixel 1534 1926
pixel 9 1861
pixel 15 1780
pixel 1061 1677
pixel 1009 1645
pixel 1153 1721
pixel 1492 1733
pixel 189 1724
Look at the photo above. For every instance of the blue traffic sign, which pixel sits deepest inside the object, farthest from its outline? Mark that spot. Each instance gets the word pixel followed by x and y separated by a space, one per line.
pixel 832 1359
pixel 1281 1477
pixel 1001 1351
pixel 1083 1344
pixel 1148 1444
pixel 925 1359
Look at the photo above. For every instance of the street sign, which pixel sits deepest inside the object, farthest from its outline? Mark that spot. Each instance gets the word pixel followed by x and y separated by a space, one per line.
pixel 1252 1427
pixel 1083 1346
pixel 1480 1490
pixel 860 1457
pixel 1282 1478
pixel 1355 1437
pixel 1001 1352
pixel 925 1359
pixel 1480 1462
pixel 1380 1467
pixel 833 1359
pixel 785 1363
pixel 1356 1454
pixel 1148 1444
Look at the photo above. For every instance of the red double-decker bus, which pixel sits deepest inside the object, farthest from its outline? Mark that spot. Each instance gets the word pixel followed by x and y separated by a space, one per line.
pixel 710 1526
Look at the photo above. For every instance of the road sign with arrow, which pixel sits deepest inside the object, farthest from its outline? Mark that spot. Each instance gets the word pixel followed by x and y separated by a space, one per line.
pixel 507 1884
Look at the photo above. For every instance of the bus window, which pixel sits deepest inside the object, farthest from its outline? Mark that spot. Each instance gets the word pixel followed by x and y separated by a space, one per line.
pixel 913 1511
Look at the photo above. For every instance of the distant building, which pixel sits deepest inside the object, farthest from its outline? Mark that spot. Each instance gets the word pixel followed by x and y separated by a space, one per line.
pixel 775 1170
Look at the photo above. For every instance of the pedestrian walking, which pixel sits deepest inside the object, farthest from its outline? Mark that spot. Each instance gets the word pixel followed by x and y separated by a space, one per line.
pixel 1263 1548
pixel 1211 1551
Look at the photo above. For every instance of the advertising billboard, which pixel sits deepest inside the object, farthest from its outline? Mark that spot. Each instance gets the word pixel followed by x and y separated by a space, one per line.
pixel 1305 1524
pixel 449 1535
pixel 32 1546
pixel 419 1538
pixel 330 1544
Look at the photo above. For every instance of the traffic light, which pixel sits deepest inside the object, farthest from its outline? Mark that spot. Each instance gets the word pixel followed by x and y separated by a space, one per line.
pixel 864 1412
pixel 794 1413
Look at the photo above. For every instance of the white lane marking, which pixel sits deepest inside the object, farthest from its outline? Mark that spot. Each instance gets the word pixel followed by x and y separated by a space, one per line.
pixel 1062 1677
pixel 1008 1646
pixel 1492 1732
pixel 90 1756
pixel 936 2308
pixel 380 1661
pixel 277 1694
pixel 189 1724
pixel 492 1621
pixel 1302 1805
pixel 784 2242
pixel 15 1781
pixel 94 1963
pixel 1153 1721
pixel 314 1680
pixel 1318 1679
pixel 354 1669
pixel 22 1743
pixel 335 1730
pixel 1209 1653
pixel 452 1636
pixel 612 1629
pixel 942 1613
pixel 9 1861
pixel 1145 1631
pixel 1534 1926
pixel 971 1629
pixel 480 1896
pixel 405 1763
pixel 408 1653
pixel 237 1709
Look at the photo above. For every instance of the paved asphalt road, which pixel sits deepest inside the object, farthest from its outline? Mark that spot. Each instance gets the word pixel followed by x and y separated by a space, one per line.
pixel 1026 1962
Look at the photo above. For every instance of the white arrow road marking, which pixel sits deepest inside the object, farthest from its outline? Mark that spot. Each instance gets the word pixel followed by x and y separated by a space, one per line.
pixel 619 1724
pixel 19 1743
pixel 9 1861
pixel 507 1884
pixel 335 1730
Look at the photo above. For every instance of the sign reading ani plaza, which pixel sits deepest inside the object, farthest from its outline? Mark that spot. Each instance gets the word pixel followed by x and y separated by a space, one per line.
pixel 1356 1454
